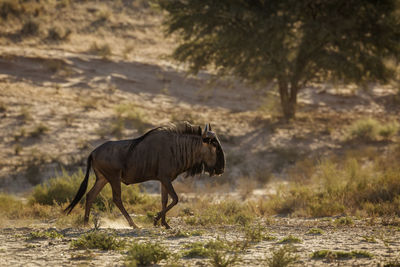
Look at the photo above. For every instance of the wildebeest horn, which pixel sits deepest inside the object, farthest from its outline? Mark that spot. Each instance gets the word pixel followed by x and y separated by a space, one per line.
pixel 205 131
pixel 209 127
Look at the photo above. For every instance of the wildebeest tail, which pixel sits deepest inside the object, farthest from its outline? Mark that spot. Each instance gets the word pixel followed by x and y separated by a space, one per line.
pixel 82 188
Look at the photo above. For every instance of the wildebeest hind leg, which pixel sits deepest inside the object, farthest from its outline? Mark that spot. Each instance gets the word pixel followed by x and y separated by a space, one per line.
pixel 92 194
pixel 164 202
pixel 171 191
pixel 116 191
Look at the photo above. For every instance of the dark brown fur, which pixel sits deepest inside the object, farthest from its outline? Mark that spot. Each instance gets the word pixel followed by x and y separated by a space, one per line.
pixel 161 154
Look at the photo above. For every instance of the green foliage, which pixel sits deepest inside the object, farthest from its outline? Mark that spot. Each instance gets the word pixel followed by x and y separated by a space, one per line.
pixel 372 130
pixel 103 51
pixel 329 254
pixel 347 186
pixel 315 231
pixel 282 257
pixel 131 116
pixel 292 42
pixel 30 27
pixel 63 188
pixel 204 250
pixel 224 259
pixel 225 212
pixel 9 206
pixel 181 233
pixel 39 130
pixel 256 234
pixel 344 221
pixel 57 190
pixel 58 34
pixel 44 235
pixel 98 240
pixel 290 240
pixel 146 254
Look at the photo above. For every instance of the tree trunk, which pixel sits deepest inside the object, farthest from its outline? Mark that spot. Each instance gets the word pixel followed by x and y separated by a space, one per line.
pixel 288 94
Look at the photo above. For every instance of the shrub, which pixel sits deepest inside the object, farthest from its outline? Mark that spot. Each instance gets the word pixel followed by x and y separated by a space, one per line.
pixel 103 51
pixel 328 254
pixel 146 254
pixel 387 131
pixel 10 206
pixel 131 116
pixel 39 130
pixel 204 250
pixel 63 188
pixel 223 259
pixel 282 257
pixel 372 130
pixel 225 212
pixel 44 235
pixel 315 231
pixel 10 7
pixel 256 234
pixel 98 240
pixel 30 27
pixel 290 240
pixel 343 186
pixel 344 221
pixel 57 190
pixel 58 34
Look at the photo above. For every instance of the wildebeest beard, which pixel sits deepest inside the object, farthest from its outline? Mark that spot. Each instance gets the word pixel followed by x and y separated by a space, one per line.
pixel 200 168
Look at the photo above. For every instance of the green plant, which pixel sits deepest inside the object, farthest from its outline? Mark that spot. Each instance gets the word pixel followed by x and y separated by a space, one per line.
pixel 344 221
pixel 63 188
pixel 3 107
pixel 290 240
pixel 224 212
pixel 58 34
pixel 389 130
pixel 103 51
pixel 98 240
pixel 10 7
pixel 52 234
pixel 328 254
pixel 146 254
pixel 315 231
pixel 130 116
pixel 181 233
pixel 282 257
pixel 256 234
pixel 224 258
pixel 25 114
pixel 370 129
pixel 369 239
pixel 204 250
pixel 29 28
pixel 39 130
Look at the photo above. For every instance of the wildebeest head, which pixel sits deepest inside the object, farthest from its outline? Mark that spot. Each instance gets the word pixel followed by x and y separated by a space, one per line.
pixel 212 153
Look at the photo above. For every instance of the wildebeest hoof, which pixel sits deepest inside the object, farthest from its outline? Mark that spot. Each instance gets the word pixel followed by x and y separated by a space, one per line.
pixel 166 225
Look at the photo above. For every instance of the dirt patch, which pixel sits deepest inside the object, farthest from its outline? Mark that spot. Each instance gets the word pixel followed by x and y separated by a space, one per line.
pixel 381 242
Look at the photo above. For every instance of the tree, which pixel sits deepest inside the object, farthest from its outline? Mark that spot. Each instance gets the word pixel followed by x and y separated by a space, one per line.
pixel 290 42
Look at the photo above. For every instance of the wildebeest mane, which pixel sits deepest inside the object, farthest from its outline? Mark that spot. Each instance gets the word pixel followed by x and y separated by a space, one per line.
pixel 183 128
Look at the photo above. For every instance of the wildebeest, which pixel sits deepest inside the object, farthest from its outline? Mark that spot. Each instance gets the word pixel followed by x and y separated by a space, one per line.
pixel 160 154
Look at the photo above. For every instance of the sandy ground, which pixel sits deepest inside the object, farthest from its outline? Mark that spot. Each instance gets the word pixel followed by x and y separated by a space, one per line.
pixel 17 250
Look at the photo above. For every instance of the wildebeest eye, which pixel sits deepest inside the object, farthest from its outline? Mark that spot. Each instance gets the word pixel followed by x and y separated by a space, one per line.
pixel 207 140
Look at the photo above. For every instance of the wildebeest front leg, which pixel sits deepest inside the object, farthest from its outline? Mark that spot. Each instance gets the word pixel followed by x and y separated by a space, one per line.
pixel 116 191
pixel 171 191
pixel 164 202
